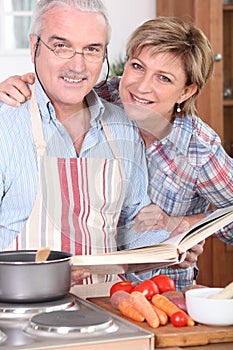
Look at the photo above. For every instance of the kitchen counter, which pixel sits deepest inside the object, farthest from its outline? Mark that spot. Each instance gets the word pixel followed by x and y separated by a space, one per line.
pixel 219 346
pixel 171 338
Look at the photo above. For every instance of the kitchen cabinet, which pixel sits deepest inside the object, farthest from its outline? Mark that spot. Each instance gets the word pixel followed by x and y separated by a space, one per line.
pixel 214 105
pixel 228 76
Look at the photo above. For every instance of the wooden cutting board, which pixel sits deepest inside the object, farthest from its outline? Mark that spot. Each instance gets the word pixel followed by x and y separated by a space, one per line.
pixel 173 336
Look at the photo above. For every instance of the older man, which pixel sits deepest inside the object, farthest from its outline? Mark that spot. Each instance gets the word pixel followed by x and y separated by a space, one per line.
pixel 72 168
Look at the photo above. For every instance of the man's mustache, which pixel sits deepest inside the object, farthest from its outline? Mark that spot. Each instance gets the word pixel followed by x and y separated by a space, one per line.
pixel 73 75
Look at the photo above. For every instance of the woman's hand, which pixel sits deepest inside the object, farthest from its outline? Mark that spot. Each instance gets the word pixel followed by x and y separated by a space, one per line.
pixel 14 91
pixel 152 217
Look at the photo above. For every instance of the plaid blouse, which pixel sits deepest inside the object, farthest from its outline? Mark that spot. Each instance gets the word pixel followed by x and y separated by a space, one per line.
pixel 188 171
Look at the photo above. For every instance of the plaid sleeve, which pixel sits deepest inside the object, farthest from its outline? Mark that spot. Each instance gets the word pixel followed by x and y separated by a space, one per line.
pixel 215 179
pixel 226 234
pixel 109 90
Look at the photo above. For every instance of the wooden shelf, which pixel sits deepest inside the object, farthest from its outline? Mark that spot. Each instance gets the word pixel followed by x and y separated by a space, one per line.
pixel 228 7
pixel 228 103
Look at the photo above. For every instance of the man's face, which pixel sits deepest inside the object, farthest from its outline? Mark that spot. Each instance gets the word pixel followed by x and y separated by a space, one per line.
pixel 68 81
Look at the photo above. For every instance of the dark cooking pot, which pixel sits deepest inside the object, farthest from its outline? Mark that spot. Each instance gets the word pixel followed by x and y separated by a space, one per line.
pixel 24 280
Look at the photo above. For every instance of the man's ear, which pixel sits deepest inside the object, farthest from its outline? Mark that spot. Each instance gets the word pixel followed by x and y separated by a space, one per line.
pixel 188 92
pixel 34 43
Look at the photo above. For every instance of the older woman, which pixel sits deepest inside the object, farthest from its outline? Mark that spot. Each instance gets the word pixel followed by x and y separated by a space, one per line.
pixel 168 64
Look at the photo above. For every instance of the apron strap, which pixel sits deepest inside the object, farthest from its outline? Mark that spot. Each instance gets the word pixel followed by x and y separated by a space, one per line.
pixel 37 129
pixel 110 138
pixel 112 144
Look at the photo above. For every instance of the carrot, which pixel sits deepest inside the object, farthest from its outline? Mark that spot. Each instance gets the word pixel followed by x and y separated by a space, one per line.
pixel 143 306
pixel 127 309
pixel 163 303
pixel 169 307
pixel 163 317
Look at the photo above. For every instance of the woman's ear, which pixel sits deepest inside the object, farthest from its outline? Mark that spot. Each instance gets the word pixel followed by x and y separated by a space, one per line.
pixel 188 92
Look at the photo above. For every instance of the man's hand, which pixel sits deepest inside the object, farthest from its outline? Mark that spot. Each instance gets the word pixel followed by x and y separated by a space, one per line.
pixel 78 274
pixel 14 91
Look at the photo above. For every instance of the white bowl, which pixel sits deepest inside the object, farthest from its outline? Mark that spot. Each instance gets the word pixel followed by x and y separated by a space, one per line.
pixel 214 312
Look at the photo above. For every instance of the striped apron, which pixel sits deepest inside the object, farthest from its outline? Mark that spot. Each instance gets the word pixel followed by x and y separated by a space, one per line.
pixel 78 203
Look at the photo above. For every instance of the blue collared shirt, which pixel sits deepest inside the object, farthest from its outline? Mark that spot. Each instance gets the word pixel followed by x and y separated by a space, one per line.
pixel 18 158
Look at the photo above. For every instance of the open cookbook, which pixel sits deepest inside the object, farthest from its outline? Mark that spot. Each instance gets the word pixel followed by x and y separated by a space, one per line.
pixel 169 252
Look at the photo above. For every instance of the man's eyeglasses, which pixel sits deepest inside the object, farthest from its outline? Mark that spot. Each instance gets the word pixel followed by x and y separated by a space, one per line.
pixel 90 53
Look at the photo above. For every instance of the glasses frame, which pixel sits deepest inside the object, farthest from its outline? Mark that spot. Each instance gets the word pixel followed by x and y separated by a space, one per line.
pixel 73 53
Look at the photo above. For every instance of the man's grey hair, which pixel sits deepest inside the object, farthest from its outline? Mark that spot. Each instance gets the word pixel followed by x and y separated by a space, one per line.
pixel 82 5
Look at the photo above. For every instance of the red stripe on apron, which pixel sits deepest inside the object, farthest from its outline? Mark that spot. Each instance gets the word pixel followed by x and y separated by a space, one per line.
pixel 86 195
pixel 74 165
pixel 65 226
pixel 101 211
pixel 104 203
pixel 17 243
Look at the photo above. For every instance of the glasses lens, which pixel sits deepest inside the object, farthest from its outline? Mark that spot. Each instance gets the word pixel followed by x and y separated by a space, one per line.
pixel 64 52
pixel 90 56
pixel 94 56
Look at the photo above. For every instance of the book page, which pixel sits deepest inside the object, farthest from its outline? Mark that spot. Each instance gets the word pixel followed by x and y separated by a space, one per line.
pixel 205 231
pixel 205 228
pixel 116 269
pixel 152 254
pixel 164 254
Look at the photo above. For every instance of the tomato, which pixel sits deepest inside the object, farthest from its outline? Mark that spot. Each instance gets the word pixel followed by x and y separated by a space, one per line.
pixel 127 286
pixel 179 319
pixel 164 283
pixel 148 288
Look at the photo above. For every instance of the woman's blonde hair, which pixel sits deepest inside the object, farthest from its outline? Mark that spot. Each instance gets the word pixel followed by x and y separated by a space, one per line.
pixel 184 40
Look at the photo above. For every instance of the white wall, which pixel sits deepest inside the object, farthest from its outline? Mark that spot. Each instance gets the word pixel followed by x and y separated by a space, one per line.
pixel 14 63
pixel 125 16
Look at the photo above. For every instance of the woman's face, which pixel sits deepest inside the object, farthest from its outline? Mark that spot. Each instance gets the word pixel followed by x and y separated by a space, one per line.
pixel 153 83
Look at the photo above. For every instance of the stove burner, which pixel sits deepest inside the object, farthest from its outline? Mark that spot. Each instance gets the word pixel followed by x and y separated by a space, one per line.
pixel 74 323
pixel 10 310
pixel 3 337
